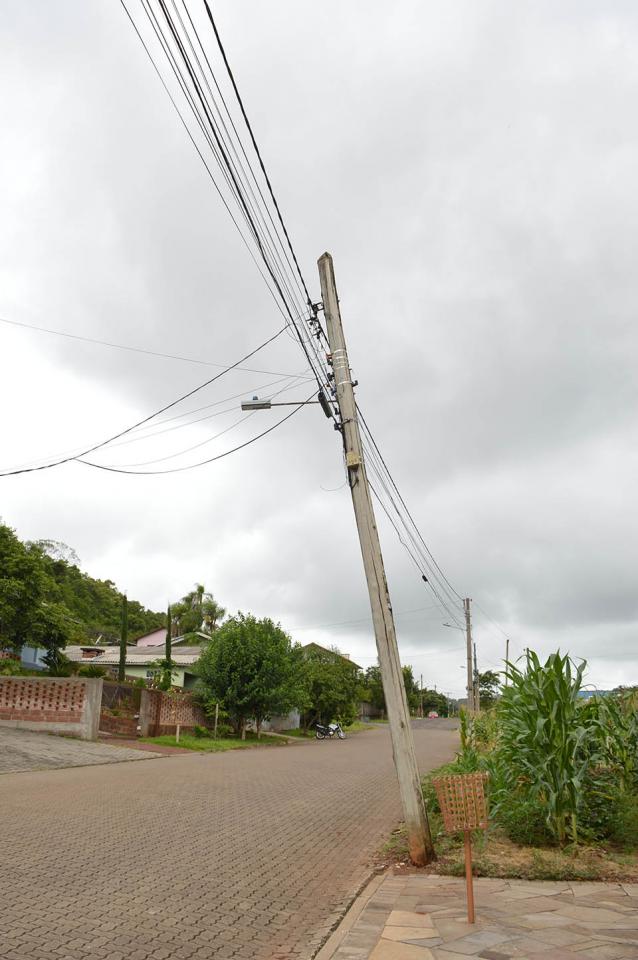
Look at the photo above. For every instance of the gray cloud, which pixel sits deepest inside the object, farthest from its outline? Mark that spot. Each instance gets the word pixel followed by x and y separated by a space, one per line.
pixel 471 168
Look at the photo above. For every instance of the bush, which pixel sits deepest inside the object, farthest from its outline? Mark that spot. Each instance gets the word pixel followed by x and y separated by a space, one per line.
pixel 92 670
pixel 524 822
pixel 601 803
pixel 200 732
pixel 11 668
pixel 223 730
pixel 624 828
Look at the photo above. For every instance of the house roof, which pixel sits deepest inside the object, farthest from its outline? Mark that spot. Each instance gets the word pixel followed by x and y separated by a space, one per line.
pixel 135 657
pixel 334 653
pixel 158 638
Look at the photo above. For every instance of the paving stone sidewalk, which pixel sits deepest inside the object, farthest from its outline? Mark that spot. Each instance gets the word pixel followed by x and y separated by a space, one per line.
pixel 24 750
pixel 424 917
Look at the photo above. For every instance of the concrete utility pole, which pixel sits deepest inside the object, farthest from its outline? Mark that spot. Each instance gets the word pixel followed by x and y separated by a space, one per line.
pixel 421 698
pixel 477 691
pixel 507 657
pixel 419 838
pixel 468 637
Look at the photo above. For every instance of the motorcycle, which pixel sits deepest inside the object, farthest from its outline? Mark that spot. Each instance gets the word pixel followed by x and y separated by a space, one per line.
pixel 333 729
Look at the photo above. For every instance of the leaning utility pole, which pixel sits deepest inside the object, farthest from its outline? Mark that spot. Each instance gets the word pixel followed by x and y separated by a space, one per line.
pixel 419 838
pixel 468 637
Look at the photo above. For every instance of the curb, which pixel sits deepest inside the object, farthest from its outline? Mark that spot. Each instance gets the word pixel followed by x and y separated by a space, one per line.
pixel 352 914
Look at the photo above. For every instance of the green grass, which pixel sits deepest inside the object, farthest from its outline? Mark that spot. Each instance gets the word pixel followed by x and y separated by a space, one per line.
pixel 356 726
pixel 210 745
pixel 299 734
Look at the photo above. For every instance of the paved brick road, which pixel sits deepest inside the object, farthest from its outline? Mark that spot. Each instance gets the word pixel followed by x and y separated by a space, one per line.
pixel 26 750
pixel 247 854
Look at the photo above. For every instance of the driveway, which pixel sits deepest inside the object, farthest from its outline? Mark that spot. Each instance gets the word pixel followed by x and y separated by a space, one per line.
pixel 251 854
pixel 22 750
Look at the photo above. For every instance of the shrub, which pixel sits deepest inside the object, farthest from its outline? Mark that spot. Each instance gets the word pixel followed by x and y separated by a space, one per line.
pixel 601 803
pixel 624 828
pixel 523 820
pixel 92 670
pixel 200 732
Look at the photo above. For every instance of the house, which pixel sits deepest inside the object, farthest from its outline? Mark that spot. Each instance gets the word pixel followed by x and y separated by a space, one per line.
pixel 157 638
pixel 140 662
pixel 317 648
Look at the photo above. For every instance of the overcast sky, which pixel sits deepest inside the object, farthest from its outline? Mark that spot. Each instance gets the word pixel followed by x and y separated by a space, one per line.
pixel 472 167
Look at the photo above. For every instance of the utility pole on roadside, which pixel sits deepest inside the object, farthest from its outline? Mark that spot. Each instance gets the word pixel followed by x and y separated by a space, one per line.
pixel 421 698
pixel 418 829
pixel 507 657
pixel 477 692
pixel 470 672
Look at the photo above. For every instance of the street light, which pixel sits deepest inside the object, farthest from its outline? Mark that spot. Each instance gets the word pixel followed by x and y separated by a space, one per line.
pixel 257 404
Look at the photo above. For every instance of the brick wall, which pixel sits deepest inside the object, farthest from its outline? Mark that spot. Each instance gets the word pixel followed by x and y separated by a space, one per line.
pixel 51 704
pixel 38 699
pixel 161 712
pixel 120 726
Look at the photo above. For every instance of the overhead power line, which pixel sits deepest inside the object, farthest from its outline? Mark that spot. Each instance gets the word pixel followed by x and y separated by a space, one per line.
pixel 121 433
pixel 263 225
pixel 150 353
pixel 201 463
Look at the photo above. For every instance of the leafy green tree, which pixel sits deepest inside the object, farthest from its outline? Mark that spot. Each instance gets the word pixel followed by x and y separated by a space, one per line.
pixel 330 687
pixel 250 666
pixel 198 610
pixel 489 687
pixel 373 688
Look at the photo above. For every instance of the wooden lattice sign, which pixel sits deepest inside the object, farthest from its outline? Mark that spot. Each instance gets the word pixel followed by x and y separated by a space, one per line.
pixel 462 801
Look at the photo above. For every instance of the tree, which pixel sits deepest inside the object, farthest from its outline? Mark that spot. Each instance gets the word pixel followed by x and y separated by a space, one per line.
pixel 330 686
pixel 250 666
pixel 166 666
pixel 373 688
pixel 121 670
pixel 198 610
pixel 489 686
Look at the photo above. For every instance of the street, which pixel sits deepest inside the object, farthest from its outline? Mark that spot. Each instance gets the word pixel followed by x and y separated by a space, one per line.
pixel 248 854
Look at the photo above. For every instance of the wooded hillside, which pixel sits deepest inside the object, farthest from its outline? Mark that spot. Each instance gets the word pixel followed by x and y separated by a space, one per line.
pixel 46 599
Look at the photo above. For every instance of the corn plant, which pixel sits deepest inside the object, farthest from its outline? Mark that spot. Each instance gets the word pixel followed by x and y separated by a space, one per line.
pixel 613 728
pixel 542 742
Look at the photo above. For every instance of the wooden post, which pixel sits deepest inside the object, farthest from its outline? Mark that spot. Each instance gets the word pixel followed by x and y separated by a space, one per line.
pixel 468 876
pixel 419 838
pixel 177 726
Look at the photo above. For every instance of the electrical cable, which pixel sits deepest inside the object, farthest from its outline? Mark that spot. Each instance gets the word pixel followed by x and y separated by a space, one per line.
pixel 223 160
pixel 374 443
pixel 168 406
pixel 201 463
pixel 150 353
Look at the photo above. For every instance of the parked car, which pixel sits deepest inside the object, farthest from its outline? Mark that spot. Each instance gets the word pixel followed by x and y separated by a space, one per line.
pixel 433 715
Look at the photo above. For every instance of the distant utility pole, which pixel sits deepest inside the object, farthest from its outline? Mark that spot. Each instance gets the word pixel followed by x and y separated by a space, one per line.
pixel 477 691
pixel 419 837
pixel 507 658
pixel 470 672
pixel 121 670
pixel 421 698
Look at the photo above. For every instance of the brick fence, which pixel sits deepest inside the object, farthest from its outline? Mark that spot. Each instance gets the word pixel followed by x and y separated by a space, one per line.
pixel 161 712
pixel 52 704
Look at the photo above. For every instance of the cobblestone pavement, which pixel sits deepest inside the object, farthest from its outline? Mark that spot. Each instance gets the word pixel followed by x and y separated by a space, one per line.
pixel 424 918
pixel 22 750
pixel 249 854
